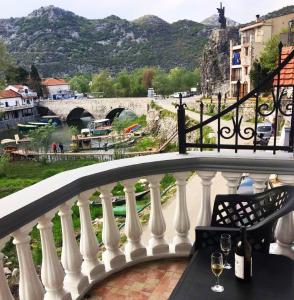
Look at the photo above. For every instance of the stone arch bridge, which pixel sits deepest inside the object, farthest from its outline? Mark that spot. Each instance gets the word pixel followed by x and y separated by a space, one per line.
pixel 98 108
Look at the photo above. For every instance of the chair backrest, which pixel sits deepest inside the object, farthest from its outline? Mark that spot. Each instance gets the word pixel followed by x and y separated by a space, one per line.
pixel 248 210
pixel 258 212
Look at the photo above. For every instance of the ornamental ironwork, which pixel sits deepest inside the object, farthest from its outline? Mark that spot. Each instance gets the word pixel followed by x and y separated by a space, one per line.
pixel 242 135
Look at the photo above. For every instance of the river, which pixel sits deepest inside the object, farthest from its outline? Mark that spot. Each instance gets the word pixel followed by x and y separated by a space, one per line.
pixel 62 134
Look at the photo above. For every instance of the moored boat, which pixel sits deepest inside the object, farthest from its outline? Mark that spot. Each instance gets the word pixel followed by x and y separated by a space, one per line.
pixel 53 120
pixel 26 127
pixel 38 124
pixel 100 127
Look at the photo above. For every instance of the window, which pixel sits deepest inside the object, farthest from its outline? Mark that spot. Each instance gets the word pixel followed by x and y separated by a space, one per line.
pixel 246 51
pixel 246 70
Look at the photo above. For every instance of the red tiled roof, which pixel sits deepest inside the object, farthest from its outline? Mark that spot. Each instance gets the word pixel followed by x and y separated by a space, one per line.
pixel 54 81
pixel 9 94
pixel 287 74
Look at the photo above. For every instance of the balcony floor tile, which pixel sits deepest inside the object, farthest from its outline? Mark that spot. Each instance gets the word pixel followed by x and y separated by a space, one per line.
pixel 152 280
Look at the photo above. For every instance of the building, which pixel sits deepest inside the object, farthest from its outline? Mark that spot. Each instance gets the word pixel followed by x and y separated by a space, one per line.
pixel 26 93
pixel 254 37
pixel 56 88
pixel 14 109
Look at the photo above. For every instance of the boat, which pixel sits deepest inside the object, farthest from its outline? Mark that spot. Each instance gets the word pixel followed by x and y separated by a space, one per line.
pixel 53 120
pixel 26 127
pixel 132 128
pixel 100 127
pixel 38 124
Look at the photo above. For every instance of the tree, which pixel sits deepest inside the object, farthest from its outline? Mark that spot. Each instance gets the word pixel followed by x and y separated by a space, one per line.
pixel 102 83
pixel 16 75
pixel 80 83
pixel 41 137
pixel 137 88
pixel 267 62
pixel 147 77
pixel 161 84
pixel 122 84
pixel 35 82
pixel 269 56
pixel 5 61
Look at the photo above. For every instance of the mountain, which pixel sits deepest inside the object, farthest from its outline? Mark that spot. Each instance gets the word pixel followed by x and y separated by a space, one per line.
pixel 61 43
pixel 280 12
pixel 213 21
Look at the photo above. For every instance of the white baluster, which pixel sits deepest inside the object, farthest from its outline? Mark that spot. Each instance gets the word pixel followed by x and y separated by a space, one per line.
pixel 157 243
pixel 259 182
pixel 89 246
pixel 30 286
pixel 204 217
pixel 52 273
pixel 285 227
pixel 71 258
pixel 5 293
pixel 134 249
pixel 233 180
pixel 181 241
pixel 113 257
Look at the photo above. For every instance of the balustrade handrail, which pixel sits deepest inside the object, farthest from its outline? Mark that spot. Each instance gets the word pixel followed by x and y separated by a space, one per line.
pixel 24 206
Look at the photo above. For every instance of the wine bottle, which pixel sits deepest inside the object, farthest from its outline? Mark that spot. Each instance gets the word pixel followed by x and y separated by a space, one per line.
pixel 243 258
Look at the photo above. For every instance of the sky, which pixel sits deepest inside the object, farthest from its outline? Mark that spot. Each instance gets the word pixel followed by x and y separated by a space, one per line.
pixel 241 11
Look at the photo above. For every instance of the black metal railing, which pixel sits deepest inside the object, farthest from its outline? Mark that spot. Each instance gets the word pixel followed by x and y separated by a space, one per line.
pixel 246 137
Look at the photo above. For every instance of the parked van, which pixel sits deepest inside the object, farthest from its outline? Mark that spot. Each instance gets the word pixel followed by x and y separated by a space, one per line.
pixel 264 130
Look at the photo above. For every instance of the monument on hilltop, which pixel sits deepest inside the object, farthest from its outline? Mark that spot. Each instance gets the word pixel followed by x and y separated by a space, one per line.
pixel 222 19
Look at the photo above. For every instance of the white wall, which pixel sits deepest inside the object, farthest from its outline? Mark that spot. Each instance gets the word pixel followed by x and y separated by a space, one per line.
pixel 54 89
pixel 17 101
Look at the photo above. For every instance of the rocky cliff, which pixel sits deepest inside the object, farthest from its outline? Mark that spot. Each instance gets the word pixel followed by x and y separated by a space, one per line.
pixel 215 64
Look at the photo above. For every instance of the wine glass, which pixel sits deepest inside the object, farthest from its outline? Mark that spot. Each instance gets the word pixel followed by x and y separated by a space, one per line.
pixel 226 244
pixel 217 267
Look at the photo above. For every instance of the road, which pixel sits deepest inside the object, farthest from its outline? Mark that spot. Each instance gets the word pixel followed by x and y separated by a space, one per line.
pixel 167 104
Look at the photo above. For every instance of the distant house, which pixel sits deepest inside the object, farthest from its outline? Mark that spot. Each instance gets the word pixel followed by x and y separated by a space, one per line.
pixel 26 93
pixel 14 108
pixel 56 88
pixel 10 98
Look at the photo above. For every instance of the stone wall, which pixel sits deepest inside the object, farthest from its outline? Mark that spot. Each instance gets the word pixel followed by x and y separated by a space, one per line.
pixel 98 108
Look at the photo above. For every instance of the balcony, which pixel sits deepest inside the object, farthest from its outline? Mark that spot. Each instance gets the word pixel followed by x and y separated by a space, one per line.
pixel 169 235
pixel 17 107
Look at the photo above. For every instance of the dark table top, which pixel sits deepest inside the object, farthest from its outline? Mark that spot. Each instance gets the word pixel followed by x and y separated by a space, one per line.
pixel 273 279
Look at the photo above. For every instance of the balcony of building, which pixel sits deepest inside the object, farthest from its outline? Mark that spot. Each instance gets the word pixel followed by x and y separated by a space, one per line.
pixel 17 107
pixel 75 270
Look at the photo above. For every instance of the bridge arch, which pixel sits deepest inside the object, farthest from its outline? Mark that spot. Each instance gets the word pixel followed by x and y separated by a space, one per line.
pixel 116 112
pixel 78 113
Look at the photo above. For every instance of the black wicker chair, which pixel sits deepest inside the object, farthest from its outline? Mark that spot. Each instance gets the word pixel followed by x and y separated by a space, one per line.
pixel 258 212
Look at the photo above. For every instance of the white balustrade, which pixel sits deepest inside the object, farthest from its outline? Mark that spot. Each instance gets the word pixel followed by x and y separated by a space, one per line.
pixel 205 212
pixel 233 180
pixel 181 241
pixel 81 268
pixel 134 249
pixel 113 257
pixel 259 182
pixel 285 227
pixel 74 280
pixel 4 288
pixel 52 273
pixel 157 244
pixel 89 246
pixel 30 286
